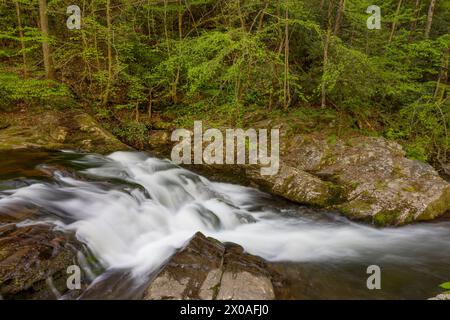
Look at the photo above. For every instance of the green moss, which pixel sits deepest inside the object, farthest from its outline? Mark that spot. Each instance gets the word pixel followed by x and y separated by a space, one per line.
pixel 409 189
pixel 332 139
pixel 438 207
pixel 336 194
pixel 356 209
pixel 386 218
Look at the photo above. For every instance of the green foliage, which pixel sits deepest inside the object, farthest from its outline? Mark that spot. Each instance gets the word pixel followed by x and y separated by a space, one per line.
pixel 232 62
pixel 14 90
pixel 131 132
pixel 446 286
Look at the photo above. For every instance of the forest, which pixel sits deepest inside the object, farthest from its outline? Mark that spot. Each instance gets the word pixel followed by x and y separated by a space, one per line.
pixel 230 61
pixel 351 95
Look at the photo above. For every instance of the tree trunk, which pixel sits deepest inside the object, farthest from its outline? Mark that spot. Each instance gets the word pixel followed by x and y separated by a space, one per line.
pixel 180 20
pixel 339 14
pixel 414 22
pixel 22 42
pixel 109 51
pixel 394 23
pixel 325 52
pixel 287 91
pixel 49 71
pixel 439 93
pixel 150 103
pixel 430 18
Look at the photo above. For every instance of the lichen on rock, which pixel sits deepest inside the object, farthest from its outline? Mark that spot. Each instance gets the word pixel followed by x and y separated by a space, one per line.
pixel 206 269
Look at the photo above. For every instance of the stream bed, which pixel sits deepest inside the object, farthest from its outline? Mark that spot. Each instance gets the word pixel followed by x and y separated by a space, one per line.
pixel 133 211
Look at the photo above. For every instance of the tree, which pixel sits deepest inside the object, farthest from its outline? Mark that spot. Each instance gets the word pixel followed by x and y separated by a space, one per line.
pixel 22 42
pixel 430 18
pixel 340 12
pixel 109 52
pixel 394 23
pixel 325 53
pixel 287 93
pixel 43 19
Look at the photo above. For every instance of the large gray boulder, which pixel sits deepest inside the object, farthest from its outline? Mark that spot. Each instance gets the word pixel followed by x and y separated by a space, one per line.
pixel 376 182
pixel 206 269
pixel 365 178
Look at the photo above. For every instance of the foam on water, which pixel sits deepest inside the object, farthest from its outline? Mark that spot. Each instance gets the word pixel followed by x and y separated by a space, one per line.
pixel 159 206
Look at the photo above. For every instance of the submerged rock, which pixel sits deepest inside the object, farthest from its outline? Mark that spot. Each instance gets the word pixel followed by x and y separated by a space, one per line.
pixel 206 269
pixel 34 261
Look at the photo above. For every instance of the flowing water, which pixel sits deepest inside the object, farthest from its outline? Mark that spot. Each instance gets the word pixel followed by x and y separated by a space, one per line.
pixel 134 211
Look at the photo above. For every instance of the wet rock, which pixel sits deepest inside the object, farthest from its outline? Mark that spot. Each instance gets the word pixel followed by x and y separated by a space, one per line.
pixel 91 137
pixel 441 297
pixel 114 284
pixel 377 183
pixel 245 277
pixel 365 178
pixel 296 185
pixel 192 273
pixel 207 269
pixel 34 261
pixel 56 130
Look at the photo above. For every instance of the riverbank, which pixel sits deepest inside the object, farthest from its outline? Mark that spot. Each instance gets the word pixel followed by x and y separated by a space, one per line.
pixel 365 178
pixel 137 215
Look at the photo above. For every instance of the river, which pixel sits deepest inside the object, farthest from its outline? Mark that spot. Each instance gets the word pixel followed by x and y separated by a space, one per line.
pixel 134 211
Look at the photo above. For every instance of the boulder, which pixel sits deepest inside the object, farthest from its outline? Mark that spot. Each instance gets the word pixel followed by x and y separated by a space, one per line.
pixel 56 130
pixel 34 261
pixel 365 178
pixel 376 182
pixel 206 269
pixel 244 277
pixel 443 296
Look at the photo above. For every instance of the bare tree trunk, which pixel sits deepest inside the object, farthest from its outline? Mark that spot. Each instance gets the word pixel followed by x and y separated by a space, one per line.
pixel 443 77
pixel 150 103
pixel 339 14
pixel 137 112
pixel 263 13
pixel 180 20
pixel 166 31
pixel 394 23
pixel 325 52
pixel 109 51
pixel 430 18
pixel 22 42
pixel 43 18
pixel 180 36
pixel 287 91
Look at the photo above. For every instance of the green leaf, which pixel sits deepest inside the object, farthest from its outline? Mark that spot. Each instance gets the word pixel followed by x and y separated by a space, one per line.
pixel 445 285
